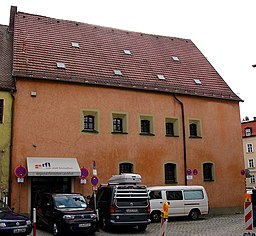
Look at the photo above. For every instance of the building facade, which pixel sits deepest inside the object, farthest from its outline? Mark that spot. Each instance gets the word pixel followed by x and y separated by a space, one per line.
pixel 249 144
pixel 117 101
pixel 6 101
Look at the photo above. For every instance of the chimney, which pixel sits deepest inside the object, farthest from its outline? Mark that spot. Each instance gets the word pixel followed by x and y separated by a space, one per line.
pixel 13 12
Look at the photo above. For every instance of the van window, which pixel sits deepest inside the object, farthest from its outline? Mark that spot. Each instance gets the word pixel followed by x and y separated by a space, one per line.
pixel 193 194
pixel 174 195
pixel 155 195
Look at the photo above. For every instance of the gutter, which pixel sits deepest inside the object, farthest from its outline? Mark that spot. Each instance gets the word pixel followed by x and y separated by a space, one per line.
pixel 184 139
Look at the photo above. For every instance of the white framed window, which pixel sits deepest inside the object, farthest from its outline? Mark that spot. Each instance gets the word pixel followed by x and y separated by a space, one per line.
pixel 248 131
pixel 249 147
pixel 251 163
pixel 252 179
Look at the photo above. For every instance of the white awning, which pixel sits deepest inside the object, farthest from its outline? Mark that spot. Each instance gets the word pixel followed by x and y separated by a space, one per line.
pixel 48 166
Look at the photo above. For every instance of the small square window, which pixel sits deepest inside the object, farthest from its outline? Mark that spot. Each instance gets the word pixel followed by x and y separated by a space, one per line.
pixel 197 81
pixel 248 131
pixel 89 121
pixel 127 52
pixel 146 125
pixel 119 123
pixel 161 77
pixel 195 129
pixel 171 127
pixel 75 45
pixel 61 65
pixel 118 72
pixel 174 58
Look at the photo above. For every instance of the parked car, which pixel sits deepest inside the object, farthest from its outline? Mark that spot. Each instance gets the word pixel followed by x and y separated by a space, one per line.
pixel 65 213
pixel 189 201
pixel 12 223
pixel 123 202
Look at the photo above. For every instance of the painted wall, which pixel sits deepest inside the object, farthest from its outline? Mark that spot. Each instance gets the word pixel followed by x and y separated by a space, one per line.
pixel 49 125
pixel 5 142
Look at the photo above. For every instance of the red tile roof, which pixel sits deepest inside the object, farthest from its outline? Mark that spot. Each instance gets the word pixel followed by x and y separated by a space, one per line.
pixel 6 80
pixel 40 42
pixel 249 125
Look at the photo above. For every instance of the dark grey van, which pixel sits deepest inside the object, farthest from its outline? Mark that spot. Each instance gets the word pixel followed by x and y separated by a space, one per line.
pixel 123 205
pixel 65 214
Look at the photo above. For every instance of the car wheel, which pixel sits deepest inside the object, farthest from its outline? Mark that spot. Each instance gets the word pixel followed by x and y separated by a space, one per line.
pixel 194 214
pixel 155 216
pixel 142 227
pixel 55 229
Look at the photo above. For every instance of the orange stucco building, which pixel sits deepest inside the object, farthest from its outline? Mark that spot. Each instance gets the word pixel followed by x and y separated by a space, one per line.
pixel 131 102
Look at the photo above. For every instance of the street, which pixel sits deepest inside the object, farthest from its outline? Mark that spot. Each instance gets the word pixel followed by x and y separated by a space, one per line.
pixel 210 225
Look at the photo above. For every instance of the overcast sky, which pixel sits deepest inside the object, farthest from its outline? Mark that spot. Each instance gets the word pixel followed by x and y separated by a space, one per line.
pixel 223 30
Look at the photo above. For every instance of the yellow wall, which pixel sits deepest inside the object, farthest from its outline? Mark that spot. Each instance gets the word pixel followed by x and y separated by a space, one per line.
pixel 5 141
pixel 51 121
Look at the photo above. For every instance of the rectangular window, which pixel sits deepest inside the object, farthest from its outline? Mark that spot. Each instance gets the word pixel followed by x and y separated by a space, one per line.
pixel 155 194
pixel 249 147
pixel 195 129
pixel 248 132
pixel 208 171
pixel 1 111
pixel 125 168
pixel 119 123
pixel 171 127
pixel 170 173
pixel 174 195
pixel 90 121
pixel 251 163
pixel 252 179
pixel 193 194
pixel 146 125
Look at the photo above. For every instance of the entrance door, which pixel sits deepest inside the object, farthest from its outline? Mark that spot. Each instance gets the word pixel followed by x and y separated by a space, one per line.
pixel 49 184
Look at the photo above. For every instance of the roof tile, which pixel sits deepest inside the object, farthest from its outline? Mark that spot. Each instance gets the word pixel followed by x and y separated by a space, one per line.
pixel 40 42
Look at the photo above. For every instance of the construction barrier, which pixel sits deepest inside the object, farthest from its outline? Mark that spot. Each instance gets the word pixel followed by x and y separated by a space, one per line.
pixel 164 219
pixel 248 215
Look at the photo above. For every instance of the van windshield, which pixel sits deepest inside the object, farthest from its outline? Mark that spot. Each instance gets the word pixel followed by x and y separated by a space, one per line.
pixel 69 201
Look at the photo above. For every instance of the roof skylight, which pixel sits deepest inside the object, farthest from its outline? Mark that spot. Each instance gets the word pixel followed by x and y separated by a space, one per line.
pixel 127 52
pixel 117 72
pixel 75 45
pixel 197 81
pixel 175 58
pixel 161 77
pixel 61 65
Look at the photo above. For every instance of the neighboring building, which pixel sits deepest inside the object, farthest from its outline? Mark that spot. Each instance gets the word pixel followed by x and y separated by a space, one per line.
pixel 6 101
pixel 131 102
pixel 249 145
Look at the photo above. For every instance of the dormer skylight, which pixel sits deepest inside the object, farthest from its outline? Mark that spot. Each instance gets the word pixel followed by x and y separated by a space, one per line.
pixel 175 58
pixel 75 45
pixel 161 77
pixel 61 65
pixel 197 81
pixel 117 72
pixel 127 52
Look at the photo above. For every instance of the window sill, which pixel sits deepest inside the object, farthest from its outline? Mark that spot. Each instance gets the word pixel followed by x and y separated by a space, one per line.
pixel 173 136
pixel 147 134
pixel 196 137
pixel 208 180
pixel 115 132
pixel 90 131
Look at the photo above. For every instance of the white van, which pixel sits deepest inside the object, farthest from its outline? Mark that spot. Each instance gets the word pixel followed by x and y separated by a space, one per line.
pixel 189 201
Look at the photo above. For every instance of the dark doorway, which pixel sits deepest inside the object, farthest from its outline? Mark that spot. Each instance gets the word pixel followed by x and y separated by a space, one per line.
pixel 51 184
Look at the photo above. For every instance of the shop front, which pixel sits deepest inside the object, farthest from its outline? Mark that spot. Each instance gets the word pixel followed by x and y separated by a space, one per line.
pixel 52 175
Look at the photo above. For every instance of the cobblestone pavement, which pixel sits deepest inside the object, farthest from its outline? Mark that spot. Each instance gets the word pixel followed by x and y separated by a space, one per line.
pixel 210 226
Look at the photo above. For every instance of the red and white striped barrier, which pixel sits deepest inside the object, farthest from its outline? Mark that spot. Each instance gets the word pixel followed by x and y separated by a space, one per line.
pixel 248 217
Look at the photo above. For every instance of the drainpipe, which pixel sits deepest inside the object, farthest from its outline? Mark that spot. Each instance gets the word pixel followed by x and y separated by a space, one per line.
pixel 184 139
